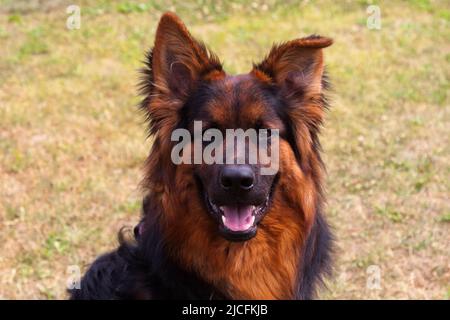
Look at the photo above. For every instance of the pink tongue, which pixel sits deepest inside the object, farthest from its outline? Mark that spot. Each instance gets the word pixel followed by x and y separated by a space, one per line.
pixel 238 218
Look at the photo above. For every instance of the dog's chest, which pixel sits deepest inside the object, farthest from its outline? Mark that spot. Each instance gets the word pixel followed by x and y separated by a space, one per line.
pixel 250 271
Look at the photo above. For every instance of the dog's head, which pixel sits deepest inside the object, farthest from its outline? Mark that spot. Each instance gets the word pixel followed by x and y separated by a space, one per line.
pixel 187 90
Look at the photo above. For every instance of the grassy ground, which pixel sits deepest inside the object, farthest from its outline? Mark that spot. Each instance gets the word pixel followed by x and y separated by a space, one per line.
pixel 72 143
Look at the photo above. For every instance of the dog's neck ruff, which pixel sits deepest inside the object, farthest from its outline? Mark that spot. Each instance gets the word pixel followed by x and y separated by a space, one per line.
pixel 265 267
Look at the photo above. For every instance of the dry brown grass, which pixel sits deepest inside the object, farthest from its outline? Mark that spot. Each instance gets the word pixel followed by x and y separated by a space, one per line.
pixel 72 143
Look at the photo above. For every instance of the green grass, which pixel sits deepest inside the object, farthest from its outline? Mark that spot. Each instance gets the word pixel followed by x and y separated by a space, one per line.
pixel 72 144
pixel 392 214
pixel 445 217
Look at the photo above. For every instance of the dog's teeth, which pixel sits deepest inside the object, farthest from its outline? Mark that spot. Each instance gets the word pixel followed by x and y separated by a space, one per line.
pixel 224 219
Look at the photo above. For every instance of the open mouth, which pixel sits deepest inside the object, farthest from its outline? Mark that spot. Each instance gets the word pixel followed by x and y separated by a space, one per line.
pixel 238 222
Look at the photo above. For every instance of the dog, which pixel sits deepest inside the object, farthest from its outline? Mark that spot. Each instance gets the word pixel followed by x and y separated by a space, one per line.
pixel 226 231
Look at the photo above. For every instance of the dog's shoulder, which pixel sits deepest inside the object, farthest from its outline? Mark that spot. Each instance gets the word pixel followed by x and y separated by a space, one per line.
pixel 112 276
pixel 140 271
pixel 100 280
pixel 316 264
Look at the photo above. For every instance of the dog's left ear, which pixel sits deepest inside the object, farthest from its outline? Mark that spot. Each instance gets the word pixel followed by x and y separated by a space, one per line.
pixel 297 69
pixel 297 65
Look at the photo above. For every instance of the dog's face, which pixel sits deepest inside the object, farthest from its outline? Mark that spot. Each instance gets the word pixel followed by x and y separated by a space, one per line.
pixel 236 195
pixel 283 93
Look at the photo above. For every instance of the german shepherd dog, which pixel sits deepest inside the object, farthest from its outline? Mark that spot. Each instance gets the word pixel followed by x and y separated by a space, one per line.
pixel 225 231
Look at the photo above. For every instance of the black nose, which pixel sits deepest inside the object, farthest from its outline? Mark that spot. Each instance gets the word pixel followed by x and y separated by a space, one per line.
pixel 237 177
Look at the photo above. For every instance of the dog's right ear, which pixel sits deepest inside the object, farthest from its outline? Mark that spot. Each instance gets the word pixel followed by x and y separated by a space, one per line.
pixel 178 60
